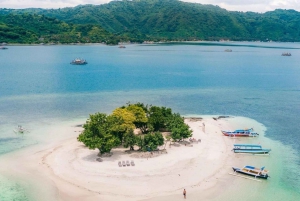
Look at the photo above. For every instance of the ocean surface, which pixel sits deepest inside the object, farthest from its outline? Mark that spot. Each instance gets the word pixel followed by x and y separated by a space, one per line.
pixel 39 89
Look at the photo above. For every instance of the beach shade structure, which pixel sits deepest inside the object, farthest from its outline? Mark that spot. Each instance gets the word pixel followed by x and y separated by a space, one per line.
pixel 123 163
pixel 127 163
pixel 120 164
pixel 132 163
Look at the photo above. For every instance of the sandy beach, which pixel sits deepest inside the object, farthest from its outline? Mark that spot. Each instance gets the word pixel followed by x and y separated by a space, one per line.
pixel 66 170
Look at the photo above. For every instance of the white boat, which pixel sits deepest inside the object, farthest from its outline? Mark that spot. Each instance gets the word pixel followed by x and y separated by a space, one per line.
pixel 78 62
pixel 252 171
pixel 20 129
pixel 250 148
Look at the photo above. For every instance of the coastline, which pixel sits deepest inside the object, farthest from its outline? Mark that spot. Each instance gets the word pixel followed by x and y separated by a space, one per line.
pixel 69 171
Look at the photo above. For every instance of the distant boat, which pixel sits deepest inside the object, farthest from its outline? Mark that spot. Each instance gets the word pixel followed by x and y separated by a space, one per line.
pixel 20 129
pixel 122 46
pixel 228 50
pixel 286 54
pixel 78 62
pixel 250 148
pixel 3 48
pixel 241 133
pixel 252 171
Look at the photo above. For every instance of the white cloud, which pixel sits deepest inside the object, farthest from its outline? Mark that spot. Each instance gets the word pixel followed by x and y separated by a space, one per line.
pixel 252 5
pixel 47 3
pixel 233 5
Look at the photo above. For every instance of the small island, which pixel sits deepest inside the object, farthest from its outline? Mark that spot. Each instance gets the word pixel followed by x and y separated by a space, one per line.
pixel 139 152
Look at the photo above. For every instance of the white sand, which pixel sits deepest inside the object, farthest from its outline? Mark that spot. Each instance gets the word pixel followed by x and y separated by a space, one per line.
pixel 67 170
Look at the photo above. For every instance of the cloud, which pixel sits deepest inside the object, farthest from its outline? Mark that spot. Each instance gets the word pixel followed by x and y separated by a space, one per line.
pixel 233 5
pixel 47 3
pixel 252 5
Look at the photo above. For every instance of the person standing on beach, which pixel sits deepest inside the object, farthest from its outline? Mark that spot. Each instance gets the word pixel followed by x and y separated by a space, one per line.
pixel 184 193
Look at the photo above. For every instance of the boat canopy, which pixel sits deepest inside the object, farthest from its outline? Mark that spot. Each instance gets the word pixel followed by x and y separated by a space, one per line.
pixel 244 130
pixel 250 167
pixel 247 145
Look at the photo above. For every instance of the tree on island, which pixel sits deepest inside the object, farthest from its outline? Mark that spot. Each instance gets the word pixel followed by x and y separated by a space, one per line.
pixel 179 130
pixel 97 133
pixel 104 132
pixel 130 139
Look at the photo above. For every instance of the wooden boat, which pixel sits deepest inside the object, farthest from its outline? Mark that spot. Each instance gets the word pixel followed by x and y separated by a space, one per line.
pixel 250 148
pixel 228 50
pixel 78 62
pixel 252 171
pixel 3 48
pixel 122 46
pixel 241 133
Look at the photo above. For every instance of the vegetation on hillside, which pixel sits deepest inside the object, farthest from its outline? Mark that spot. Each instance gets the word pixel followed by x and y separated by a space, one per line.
pixel 34 28
pixel 159 20
pixel 104 132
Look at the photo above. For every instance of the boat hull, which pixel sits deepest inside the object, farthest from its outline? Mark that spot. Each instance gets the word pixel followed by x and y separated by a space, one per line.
pixel 73 63
pixel 238 170
pixel 252 151
pixel 232 134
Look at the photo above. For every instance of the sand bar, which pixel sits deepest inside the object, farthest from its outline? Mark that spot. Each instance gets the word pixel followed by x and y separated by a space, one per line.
pixel 67 170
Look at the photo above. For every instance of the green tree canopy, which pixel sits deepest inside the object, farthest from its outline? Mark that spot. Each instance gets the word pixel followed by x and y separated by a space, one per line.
pixel 179 130
pixel 130 139
pixel 141 119
pixel 158 116
pixel 97 133
pixel 105 132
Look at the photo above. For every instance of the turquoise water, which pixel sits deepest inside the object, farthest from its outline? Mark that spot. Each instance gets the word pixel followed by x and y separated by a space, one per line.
pixel 39 88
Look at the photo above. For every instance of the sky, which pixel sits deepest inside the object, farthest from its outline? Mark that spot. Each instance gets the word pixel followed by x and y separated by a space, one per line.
pixel 260 6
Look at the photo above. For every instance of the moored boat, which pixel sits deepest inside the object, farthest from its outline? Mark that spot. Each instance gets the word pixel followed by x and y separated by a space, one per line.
pixel 20 129
pixel 286 54
pixel 78 62
pixel 241 133
pixel 252 171
pixel 250 148
pixel 3 48
pixel 122 46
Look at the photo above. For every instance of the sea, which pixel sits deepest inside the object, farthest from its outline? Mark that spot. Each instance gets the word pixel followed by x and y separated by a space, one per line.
pixel 40 89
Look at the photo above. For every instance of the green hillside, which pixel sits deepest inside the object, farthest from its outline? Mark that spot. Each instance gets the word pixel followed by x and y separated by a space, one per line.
pixel 34 28
pixel 175 20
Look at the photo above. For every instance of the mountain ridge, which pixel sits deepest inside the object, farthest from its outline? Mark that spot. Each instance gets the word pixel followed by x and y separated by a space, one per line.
pixel 165 20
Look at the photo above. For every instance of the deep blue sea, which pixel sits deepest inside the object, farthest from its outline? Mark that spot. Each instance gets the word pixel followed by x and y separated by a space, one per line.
pixel 38 86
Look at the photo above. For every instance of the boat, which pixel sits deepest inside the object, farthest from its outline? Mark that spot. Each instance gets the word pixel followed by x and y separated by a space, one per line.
pixel 252 171
pixel 78 62
pixel 3 48
pixel 250 148
pixel 286 54
pixel 241 133
pixel 228 50
pixel 122 46
pixel 20 129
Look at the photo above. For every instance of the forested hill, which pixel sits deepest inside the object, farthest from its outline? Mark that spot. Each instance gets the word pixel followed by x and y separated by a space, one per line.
pixel 33 28
pixel 176 20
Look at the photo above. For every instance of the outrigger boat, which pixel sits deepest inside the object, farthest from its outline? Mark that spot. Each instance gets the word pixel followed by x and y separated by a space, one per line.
pixel 252 171
pixel 241 133
pixel 20 129
pixel 78 62
pixel 250 148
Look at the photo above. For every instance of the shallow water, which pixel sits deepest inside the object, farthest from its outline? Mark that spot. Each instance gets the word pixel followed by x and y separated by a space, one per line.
pixel 40 90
